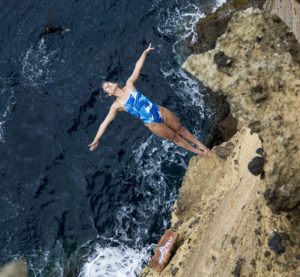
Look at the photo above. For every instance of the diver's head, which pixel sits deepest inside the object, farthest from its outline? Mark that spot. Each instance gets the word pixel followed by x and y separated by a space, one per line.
pixel 110 88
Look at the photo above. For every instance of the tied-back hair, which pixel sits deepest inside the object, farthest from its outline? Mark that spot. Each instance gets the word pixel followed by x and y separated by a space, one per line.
pixel 106 94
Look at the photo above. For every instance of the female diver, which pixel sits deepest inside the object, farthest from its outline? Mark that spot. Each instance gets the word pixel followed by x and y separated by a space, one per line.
pixel 159 120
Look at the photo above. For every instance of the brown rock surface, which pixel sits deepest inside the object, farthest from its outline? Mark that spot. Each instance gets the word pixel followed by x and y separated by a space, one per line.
pixel 16 268
pixel 215 24
pixel 262 85
pixel 288 11
pixel 225 226
pixel 223 222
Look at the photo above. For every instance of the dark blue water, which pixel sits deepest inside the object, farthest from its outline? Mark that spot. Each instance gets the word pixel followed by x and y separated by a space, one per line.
pixel 69 211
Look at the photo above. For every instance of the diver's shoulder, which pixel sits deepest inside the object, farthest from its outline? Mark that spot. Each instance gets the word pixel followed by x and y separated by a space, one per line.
pixel 116 106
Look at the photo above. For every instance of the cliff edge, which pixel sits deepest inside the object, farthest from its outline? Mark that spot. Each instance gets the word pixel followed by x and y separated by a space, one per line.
pixel 238 212
pixel 256 65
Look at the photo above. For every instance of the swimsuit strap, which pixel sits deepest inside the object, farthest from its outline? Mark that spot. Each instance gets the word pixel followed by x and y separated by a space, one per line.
pixel 127 99
pixel 120 102
pixel 130 89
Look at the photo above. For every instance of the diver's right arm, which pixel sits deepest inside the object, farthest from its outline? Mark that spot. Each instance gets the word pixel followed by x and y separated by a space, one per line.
pixel 109 118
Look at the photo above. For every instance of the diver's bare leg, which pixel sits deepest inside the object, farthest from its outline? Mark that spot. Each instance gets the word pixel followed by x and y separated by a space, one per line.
pixel 162 130
pixel 172 121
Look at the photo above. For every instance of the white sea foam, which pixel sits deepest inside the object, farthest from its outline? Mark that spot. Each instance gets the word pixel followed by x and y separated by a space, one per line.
pixel 36 65
pixel 10 209
pixel 7 100
pixel 2 122
pixel 219 3
pixel 150 157
pixel 119 261
pixel 128 261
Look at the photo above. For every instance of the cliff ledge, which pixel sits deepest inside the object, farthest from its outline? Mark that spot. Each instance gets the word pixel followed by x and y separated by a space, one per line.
pixel 238 212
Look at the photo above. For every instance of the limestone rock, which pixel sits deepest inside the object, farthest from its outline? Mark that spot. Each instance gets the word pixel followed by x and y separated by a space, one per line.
pixel 262 86
pixel 288 11
pixel 14 269
pixel 215 24
pixel 223 222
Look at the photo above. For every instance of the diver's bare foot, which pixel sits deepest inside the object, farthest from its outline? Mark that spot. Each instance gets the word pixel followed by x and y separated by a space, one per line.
pixel 204 151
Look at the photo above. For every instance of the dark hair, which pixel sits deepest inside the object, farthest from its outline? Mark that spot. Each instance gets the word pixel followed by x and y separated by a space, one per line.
pixel 118 84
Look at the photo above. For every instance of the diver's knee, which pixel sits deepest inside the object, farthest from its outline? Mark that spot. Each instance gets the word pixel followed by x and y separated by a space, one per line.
pixel 180 130
pixel 176 138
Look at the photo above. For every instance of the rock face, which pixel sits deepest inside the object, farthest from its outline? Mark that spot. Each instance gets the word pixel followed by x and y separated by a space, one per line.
pixel 215 24
pixel 256 65
pixel 225 125
pixel 288 11
pixel 14 269
pixel 224 225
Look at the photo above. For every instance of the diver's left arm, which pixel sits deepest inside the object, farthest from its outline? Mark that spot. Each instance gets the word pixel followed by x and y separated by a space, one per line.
pixel 138 67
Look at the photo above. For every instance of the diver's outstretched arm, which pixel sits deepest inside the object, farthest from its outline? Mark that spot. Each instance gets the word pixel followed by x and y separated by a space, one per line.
pixel 109 118
pixel 138 66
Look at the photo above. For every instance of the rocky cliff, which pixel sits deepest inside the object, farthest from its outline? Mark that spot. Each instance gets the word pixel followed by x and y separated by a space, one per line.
pixel 256 65
pixel 288 11
pixel 238 213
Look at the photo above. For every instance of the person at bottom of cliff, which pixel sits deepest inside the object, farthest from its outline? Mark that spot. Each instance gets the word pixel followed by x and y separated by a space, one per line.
pixel 159 120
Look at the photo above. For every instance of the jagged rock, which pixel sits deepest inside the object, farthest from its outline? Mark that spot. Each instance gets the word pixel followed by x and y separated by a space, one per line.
pixel 256 166
pixel 218 217
pixel 225 125
pixel 262 88
pixel 223 152
pixel 237 270
pixel 174 271
pixel 233 240
pixel 288 11
pixel 223 193
pixel 275 244
pixel 221 60
pixel 259 93
pixel 215 24
pixel 260 151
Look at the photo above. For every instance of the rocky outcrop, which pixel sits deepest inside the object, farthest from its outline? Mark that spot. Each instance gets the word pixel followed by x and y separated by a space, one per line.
pixel 288 11
pixel 224 225
pixel 256 65
pixel 225 125
pixel 208 30
pixel 215 24
pixel 17 268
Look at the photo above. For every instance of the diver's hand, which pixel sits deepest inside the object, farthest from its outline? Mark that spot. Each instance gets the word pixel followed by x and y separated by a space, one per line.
pixel 93 145
pixel 149 49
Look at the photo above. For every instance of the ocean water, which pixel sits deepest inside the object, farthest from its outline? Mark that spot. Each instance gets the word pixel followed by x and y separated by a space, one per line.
pixel 66 210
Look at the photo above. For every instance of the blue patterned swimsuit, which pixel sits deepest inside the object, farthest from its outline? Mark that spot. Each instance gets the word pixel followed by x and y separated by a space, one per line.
pixel 140 106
